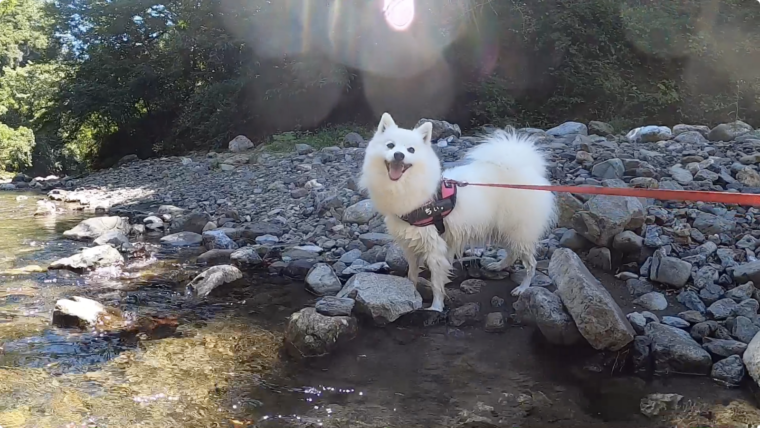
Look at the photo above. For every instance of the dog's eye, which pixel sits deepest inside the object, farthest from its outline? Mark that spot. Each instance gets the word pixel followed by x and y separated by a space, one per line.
pixel 410 149
pixel 390 145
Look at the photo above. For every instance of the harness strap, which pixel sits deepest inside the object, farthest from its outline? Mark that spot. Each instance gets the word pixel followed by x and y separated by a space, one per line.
pixel 433 212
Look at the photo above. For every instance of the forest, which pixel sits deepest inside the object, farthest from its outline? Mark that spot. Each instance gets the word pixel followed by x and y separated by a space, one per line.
pixel 86 82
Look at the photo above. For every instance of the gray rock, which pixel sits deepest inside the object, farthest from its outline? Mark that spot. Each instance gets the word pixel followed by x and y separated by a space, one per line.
pixel 246 258
pixel 240 143
pixel 596 314
pixel 182 239
pixel 218 240
pixel 748 308
pixel 544 309
pixel 638 322
pixel 710 224
pixel 322 280
pixel 193 222
pixel 628 242
pixel 215 257
pixel 574 241
pixel 360 213
pixel 730 370
pixel 692 316
pixel 642 353
pixel 600 128
pixel 600 258
pixel 441 129
pixel 153 223
pixel 747 272
pixel 729 131
pixel 649 134
pixel 675 351
pixel 383 298
pixel 653 301
pixel 675 322
pixel 351 256
pixel 310 334
pixel 751 358
pixel 742 292
pixel 603 217
pixel 743 329
pixel 722 348
pixel 303 149
pixel 90 258
pixel 639 287
pixel 704 329
pixel 495 322
pixel 113 238
pixel 681 175
pixel 567 206
pixel 611 168
pixel 335 306
pixel 375 239
pixel 722 309
pixel 95 227
pixel 394 257
pixel 568 128
pixel 670 271
pixel 212 278
pixel 467 314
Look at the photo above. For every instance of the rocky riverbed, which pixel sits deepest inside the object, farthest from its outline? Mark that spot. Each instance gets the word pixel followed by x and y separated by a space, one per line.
pixel 627 285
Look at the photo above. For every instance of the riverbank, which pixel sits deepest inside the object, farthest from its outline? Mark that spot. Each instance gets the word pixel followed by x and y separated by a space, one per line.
pixel 302 209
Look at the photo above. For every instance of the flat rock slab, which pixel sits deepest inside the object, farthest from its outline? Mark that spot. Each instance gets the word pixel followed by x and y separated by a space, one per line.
pixel 90 258
pixel 212 278
pixel 598 317
pixel 384 298
pixel 93 228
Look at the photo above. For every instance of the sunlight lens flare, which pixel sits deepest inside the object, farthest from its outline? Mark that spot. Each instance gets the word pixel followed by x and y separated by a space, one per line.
pixel 399 14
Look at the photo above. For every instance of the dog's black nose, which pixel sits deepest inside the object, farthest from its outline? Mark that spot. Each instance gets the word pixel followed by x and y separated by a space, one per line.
pixel 398 156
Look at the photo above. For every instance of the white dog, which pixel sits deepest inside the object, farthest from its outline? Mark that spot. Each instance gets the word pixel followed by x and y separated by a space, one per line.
pixel 434 220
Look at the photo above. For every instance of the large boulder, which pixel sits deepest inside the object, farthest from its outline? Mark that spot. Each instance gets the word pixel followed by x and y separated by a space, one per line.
pixel 596 314
pixel 193 222
pixel 90 258
pixel 603 217
pixel 383 298
pixel 93 228
pixel 675 351
pixel 310 334
pixel 360 213
pixel 240 143
pixel 441 129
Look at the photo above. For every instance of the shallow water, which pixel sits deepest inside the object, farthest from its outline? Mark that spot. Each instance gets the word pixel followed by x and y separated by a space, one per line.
pixel 223 366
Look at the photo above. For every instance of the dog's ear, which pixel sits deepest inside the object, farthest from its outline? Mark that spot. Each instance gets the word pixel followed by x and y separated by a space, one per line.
pixel 426 129
pixel 385 122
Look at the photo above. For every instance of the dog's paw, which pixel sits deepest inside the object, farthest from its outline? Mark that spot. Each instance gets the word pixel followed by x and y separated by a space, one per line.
pixel 434 308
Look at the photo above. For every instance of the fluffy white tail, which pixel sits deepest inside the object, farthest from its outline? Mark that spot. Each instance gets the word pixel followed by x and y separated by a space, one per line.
pixel 508 149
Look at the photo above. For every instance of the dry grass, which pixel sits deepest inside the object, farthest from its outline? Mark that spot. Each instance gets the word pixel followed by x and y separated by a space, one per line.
pixel 738 414
pixel 171 382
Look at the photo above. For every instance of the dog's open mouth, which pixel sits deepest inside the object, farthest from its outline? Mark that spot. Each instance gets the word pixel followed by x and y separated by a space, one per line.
pixel 396 169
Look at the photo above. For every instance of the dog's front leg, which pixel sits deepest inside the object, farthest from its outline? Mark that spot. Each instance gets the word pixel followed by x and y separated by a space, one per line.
pixel 440 269
pixel 413 273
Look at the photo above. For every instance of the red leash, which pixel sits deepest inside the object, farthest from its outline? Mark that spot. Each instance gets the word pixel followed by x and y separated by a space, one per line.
pixel 663 195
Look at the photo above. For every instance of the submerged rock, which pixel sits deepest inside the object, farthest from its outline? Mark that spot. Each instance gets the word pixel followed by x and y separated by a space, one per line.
pixel 310 334
pixel 95 227
pixel 212 278
pixel 90 258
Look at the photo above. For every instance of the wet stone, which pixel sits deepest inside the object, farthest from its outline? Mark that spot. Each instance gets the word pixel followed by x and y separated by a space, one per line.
pixel 467 314
pixel 730 370
pixel 495 322
pixel 335 306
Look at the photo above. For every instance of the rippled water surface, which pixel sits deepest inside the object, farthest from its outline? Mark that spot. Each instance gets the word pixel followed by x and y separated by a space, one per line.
pixel 223 367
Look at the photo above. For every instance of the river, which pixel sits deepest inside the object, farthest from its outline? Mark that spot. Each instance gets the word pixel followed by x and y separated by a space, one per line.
pixel 223 366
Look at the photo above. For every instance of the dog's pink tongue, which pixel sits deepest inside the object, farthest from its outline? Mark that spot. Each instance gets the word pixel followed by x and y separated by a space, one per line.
pixel 396 170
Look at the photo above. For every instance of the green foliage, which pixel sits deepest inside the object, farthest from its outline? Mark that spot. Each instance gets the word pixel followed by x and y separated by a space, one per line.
pixel 327 136
pixel 15 148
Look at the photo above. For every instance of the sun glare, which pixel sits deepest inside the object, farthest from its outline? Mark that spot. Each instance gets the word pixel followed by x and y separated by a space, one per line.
pixel 399 14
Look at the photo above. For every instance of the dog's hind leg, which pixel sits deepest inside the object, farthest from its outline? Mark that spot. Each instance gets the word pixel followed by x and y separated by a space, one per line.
pixel 529 261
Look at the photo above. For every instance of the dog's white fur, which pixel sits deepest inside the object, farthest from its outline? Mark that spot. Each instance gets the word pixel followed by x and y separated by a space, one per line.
pixel 508 218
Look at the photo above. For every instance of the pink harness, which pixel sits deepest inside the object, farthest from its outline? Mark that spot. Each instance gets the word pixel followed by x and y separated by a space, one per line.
pixel 433 212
